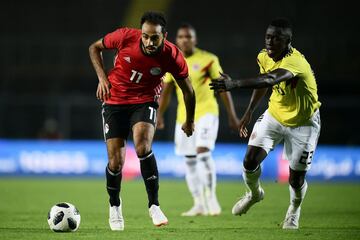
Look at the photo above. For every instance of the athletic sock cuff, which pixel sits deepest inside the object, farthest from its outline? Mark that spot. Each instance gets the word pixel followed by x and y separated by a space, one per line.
pixel 111 172
pixel 145 156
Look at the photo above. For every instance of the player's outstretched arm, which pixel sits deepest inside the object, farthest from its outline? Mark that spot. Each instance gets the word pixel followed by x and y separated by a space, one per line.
pixel 103 89
pixel 189 99
pixel 261 81
pixel 164 101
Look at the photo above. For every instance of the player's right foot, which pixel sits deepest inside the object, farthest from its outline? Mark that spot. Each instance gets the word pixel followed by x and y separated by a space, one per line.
pixel 158 217
pixel 116 220
pixel 196 210
pixel 244 204
pixel 292 218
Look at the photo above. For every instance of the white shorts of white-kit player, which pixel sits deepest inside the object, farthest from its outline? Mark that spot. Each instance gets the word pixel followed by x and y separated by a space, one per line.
pixel 299 142
pixel 204 135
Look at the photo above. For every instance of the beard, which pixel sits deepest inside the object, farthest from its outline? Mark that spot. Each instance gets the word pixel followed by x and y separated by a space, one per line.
pixel 158 49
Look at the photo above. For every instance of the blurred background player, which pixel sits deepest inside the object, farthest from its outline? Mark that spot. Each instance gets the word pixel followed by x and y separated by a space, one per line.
pixel 292 116
pixel 200 167
pixel 130 93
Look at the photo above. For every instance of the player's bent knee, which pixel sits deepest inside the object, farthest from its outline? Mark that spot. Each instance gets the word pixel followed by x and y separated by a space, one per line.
pixel 142 149
pixel 296 178
pixel 254 156
pixel 250 162
pixel 115 162
pixel 115 166
pixel 250 165
pixel 296 182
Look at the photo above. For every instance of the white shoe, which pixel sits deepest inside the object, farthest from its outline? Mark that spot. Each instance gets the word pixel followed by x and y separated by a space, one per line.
pixel 196 210
pixel 116 220
pixel 243 205
pixel 292 218
pixel 213 206
pixel 158 217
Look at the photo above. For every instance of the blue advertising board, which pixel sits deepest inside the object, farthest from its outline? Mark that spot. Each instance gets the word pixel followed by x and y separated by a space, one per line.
pixel 88 158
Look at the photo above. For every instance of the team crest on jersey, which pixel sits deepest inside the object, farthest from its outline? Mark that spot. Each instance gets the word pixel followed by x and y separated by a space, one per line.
pixel 155 71
pixel 196 67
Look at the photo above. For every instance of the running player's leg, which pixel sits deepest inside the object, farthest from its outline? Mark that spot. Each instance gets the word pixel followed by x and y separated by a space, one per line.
pixel 297 188
pixel 143 122
pixel 266 134
pixel 206 130
pixel 116 130
pixel 143 134
pixel 116 157
pixel 299 147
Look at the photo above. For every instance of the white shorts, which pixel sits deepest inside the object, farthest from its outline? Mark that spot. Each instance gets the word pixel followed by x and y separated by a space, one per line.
pixel 205 134
pixel 299 142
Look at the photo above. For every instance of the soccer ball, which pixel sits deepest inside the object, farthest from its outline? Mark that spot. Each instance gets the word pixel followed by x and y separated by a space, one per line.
pixel 64 217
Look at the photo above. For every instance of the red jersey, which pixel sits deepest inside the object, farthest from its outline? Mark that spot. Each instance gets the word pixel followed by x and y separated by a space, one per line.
pixel 136 77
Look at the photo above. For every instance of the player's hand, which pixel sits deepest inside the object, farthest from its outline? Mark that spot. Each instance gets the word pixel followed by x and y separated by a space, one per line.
pixel 188 128
pixel 160 121
pixel 222 84
pixel 103 90
pixel 244 121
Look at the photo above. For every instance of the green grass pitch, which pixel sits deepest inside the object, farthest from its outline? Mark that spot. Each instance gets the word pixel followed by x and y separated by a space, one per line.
pixel 330 211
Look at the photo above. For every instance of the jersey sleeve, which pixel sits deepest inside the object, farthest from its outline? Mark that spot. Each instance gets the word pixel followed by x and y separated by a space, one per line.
pixel 115 39
pixel 261 62
pixel 215 68
pixel 168 78
pixel 178 66
pixel 292 63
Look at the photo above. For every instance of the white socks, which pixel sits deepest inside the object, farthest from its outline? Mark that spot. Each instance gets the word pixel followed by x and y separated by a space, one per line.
pixel 251 179
pixel 297 196
pixel 193 180
pixel 207 173
pixel 201 177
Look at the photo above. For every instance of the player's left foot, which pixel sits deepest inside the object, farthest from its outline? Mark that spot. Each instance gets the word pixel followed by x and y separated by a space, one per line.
pixel 116 220
pixel 213 206
pixel 292 218
pixel 158 217
pixel 245 203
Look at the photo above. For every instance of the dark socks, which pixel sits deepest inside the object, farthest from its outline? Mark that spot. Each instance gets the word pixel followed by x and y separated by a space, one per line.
pixel 150 175
pixel 113 185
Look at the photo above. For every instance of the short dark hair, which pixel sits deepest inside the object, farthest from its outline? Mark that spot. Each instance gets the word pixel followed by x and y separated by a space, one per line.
pixel 154 18
pixel 187 25
pixel 283 23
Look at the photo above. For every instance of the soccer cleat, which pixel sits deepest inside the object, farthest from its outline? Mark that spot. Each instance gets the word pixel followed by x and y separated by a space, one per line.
pixel 116 220
pixel 244 204
pixel 213 206
pixel 196 210
pixel 292 218
pixel 158 217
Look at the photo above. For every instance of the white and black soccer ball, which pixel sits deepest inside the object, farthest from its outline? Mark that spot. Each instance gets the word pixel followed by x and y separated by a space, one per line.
pixel 64 217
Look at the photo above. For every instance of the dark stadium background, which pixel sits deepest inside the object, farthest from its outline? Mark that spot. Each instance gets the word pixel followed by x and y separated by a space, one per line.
pixel 46 75
pixel 47 91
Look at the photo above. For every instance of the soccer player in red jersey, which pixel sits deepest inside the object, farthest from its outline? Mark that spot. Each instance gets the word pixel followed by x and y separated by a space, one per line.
pixel 130 93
